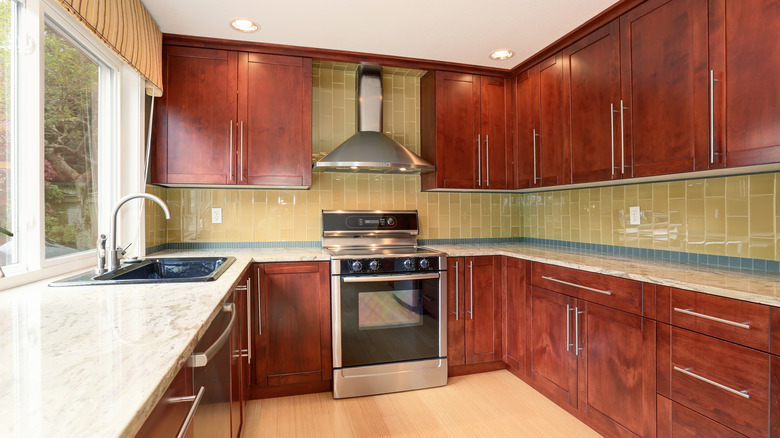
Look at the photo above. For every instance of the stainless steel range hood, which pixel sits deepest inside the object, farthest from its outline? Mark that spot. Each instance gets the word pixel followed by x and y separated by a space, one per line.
pixel 370 150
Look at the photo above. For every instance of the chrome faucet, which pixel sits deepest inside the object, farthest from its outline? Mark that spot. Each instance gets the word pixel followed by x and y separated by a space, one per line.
pixel 112 254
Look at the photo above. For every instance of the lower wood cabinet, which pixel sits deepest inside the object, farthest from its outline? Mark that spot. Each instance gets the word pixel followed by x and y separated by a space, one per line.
pixel 474 307
pixel 514 303
pixel 168 415
pixel 291 329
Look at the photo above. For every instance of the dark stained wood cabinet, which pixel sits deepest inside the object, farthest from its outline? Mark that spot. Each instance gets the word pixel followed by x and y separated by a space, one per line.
pixel 230 117
pixel 664 84
pixel 194 138
pixel 552 363
pixel 514 303
pixel 168 415
pixel 540 121
pixel 292 329
pixel 592 86
pixel 464 131
pixel 243 354
pixel 745 60
pixel 475 311
pixel 275 119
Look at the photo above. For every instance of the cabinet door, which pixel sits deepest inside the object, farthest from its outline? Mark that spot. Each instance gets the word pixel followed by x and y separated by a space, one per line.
pixel 493 108
pixel 524 155
pixel 552 364
pixel 745 59
pixel 664 86
pixel 456 318
pixel 168 415
pixel 274 124
pixel 457 127
pixel 293 327
pixel 592 82
pixel 551 122
pixel 617 379
pixel 483 310
pixel 194 142
pixel 514 304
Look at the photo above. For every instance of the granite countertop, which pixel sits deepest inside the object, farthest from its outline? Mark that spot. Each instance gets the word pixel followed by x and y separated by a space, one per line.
pixel 94 360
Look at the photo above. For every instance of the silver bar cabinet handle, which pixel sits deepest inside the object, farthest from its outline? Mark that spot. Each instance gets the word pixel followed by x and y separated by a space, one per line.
pixel 612 133
pixel 712 318
pixel 535 178
pixel 605 292
pixel 249 319
pixel 241 151
pixel 195 399
pixel 687 372
pixel 487 160
pixel 622 140
pixel 577 347
pixel 230 155
pixel 568 327
pixel 259 309
pixel 479 160
pixel 457 286
pixel 471 288
pixel 712 116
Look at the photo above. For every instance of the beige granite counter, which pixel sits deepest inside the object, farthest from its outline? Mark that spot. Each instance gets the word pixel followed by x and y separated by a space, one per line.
pixel 751 286
pixel 94 360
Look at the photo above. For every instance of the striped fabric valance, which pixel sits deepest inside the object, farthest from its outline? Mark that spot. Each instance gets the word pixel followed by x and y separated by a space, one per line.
pixel 126 27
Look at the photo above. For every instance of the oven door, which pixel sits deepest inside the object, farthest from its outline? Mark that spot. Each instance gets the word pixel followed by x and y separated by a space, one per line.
pixel 383 319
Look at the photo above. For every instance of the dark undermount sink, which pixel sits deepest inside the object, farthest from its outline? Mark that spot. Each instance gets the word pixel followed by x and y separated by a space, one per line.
pixel 156 270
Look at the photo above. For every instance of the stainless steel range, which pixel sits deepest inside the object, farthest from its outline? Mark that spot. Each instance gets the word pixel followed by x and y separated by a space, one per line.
pixel 389 304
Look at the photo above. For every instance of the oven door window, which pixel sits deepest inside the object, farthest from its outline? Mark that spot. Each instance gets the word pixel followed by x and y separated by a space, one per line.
pixel 389 321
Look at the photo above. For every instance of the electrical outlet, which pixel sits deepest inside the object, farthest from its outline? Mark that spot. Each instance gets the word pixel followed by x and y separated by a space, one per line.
pixel 216 215
pixel 634 215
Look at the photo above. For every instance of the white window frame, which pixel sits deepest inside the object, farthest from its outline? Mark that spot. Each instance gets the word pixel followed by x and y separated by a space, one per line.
pixel 121 128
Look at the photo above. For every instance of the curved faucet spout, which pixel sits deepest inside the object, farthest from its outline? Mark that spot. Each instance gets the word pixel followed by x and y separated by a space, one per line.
pixel 113 258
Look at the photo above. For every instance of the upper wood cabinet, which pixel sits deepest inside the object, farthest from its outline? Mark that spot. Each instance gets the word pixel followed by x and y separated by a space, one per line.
pixel 464 131
pixel 230 117
pixel 592 85
pixel 663 47
pixel 540 122
pixel 744 63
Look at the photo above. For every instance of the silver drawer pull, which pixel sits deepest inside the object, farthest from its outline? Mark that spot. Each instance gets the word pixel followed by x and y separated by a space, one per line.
pixel 195 399
pixel 712 318
pixel 704 379
pixel 605 292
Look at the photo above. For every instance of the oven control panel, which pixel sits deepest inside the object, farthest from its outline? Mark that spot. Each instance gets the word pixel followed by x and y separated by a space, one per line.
pixel 389 265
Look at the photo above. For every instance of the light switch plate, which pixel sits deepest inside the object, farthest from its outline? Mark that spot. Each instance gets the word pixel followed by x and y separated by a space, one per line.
pixel 216 215
pixel 634 215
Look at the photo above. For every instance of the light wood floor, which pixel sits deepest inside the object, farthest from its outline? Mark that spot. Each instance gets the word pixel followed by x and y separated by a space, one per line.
pixel 495 404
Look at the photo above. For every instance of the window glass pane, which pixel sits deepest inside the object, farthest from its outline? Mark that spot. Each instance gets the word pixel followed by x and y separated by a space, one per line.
pixel 8 210
pixel 71 84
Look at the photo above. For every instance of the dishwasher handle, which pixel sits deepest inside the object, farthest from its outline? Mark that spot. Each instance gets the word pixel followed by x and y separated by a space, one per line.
pixel 198 360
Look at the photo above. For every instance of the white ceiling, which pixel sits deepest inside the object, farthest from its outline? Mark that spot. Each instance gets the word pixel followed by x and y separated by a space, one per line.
pixel 460 31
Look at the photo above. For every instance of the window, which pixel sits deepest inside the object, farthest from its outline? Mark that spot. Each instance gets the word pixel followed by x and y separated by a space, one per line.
pixel 80 111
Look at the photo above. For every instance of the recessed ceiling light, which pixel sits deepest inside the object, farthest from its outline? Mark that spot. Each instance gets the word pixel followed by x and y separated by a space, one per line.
pixel 501 54
pixel 244 25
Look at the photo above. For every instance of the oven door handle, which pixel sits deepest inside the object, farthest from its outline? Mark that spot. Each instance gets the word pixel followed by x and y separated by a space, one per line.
pixel 395 277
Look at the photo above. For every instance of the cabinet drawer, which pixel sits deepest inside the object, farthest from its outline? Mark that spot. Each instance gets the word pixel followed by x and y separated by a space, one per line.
pixel 675 420
pixel 727 382
pixel 614 292
pixel 736 321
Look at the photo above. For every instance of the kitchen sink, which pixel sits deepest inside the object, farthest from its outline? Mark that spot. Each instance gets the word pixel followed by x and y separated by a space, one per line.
pixel 156 270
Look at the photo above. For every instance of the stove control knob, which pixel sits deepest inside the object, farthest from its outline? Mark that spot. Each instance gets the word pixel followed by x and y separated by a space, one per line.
pixel 408 264
pixel 425 264
pixel 373 265
pixel 390 221
pixel 356 266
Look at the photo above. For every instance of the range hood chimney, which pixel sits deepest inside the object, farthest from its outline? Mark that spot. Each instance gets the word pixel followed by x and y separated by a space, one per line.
pixel 370 150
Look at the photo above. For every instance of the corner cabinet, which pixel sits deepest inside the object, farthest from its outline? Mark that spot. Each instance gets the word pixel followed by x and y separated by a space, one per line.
pixel 291 329
pixel 464 131
pixel 475 314
pixel 229 117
